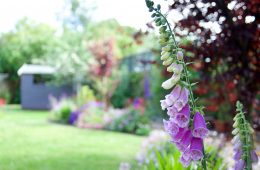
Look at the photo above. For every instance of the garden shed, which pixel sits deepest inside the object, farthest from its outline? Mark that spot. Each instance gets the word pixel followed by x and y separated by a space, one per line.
pixel 36 87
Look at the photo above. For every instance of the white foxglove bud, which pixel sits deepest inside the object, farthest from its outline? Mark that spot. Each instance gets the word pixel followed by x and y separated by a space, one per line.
pixel 165 56
pixel 171 82
pixel 168 62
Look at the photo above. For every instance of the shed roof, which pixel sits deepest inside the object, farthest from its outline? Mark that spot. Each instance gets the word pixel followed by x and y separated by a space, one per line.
pixel 35 69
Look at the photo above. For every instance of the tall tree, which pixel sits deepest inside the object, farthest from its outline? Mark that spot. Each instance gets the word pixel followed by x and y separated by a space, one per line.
pixel 226 39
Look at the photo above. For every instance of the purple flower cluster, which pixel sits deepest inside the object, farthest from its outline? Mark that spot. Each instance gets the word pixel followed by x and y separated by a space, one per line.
pixel 189 140
pixel 238 156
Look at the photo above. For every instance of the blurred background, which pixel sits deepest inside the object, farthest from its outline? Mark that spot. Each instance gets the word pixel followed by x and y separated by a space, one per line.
pixel 95 65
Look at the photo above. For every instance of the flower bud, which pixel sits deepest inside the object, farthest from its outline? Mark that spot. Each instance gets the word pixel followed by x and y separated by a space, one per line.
pixel 171 82
pixel 165 56
pixel 235 131
pixel 179 55
pixel 169 69
pixel 162 29
pixel 167 48
pixel 168 62
pixel 159 6
pixel 153 15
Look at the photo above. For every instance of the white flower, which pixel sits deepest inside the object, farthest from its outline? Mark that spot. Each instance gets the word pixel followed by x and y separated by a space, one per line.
pixel 176 68
pixel 171 82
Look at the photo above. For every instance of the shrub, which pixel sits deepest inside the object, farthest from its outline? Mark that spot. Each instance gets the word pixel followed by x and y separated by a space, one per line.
pixel 128 88
pixel 85 95
pixel 61 110
pixel 132 122
pixel 4 92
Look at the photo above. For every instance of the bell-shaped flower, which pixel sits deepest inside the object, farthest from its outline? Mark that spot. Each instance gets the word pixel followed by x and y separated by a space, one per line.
pixel 237 146
pixel 173 96
pixel 239 165
pixel 235 139
pixel 171 127
pixel 185 162
pixel 185 141
pixel 200 130
pixel 187 154
pixel 171 82
pixel 177 137
pixel 172 111
pixel 254 157
pixel 237 155
pixel 176 68
pixel 183 99
pixel 196 149
pixel 164 104
pixel 182 118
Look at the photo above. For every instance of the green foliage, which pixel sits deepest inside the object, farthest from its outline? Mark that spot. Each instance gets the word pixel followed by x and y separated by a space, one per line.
pixel 168 159
pixel 130 87
pixel 244 132
pixel 29 40
pixel 123 35
pixel 85 95
pixel 131 122
pixel 61 111
pixel 4 92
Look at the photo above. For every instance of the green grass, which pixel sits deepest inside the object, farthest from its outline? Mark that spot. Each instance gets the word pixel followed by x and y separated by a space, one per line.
pixel 29 142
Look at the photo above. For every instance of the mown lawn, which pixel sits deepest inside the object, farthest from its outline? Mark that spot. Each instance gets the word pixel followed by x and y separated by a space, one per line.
pixel 29 142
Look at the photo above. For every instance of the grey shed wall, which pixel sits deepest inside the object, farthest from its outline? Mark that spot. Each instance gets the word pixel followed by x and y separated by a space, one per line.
pixel 36 96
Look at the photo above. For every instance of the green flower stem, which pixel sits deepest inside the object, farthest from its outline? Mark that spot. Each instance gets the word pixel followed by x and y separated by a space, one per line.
pixel 245 136
pixel 186 74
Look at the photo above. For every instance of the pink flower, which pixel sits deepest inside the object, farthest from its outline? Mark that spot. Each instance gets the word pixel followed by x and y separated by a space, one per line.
pixel 196 149
pixel 172 111
pixel 185 162
pixel 177 137
pixel 185 141
pixel 183 117
pixel 200 130
pixel 182 100
pixel 173 96
pixel 171 127
pixel 240 165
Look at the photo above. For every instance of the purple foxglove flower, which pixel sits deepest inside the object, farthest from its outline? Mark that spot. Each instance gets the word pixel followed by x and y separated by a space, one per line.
pixel 200 130
pixel 196 149
pixel 240 165
pixel 164 104
pixel 171 127
pixel 238 155
pixel 183 117
pixel 185 162
pixel 172 111
pixel 237 145
pixel 182 100
pixel 185 141
pixel 147 91
pixel 179 135
pixel 254 156
pixel 173 96
pixel 235 139
pixel 187 154
pixel 171 82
